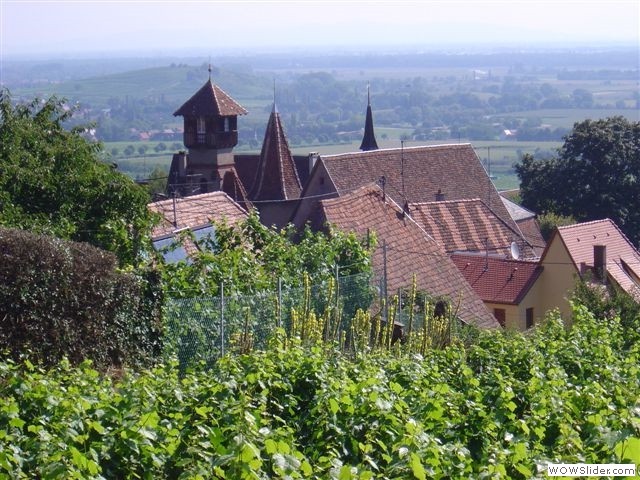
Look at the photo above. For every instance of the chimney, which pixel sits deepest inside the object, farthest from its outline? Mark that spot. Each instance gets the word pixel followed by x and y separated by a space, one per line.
pixel 600 262
pixel 439 196
pixel 313 158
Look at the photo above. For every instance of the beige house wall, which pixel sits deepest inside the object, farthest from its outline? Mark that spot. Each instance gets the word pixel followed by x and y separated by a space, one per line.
pixel 516 315
pixel 558 278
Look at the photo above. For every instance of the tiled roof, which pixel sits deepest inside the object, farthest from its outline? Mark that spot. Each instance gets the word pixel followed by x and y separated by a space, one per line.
pixel 195 211
pixel 232 186
pixel 455 170
pixel 276 174
pixel 531 231
pixel 526 221
pixel 498 280
pixel 409 250
pixel 467 225
pixel 246 165
pixel 210 100
pixel 623 260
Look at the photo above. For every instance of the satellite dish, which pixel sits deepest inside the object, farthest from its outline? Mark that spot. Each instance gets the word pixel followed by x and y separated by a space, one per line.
pixel 515 251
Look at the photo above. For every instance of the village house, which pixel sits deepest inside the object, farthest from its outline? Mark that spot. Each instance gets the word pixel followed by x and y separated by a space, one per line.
pixel 597 252
pixel 509 288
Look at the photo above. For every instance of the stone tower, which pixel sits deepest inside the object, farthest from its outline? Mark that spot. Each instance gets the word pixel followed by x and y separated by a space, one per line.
pixel 210 133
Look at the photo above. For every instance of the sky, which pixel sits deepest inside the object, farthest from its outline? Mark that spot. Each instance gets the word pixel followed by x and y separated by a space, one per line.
pixel 80 28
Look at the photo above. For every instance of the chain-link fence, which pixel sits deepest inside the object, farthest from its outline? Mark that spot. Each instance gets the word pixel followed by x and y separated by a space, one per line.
pixel 202 329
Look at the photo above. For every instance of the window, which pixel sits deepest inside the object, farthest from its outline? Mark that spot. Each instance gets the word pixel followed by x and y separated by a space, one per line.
pixel 201 128
pixel 501 315
pixel 529 317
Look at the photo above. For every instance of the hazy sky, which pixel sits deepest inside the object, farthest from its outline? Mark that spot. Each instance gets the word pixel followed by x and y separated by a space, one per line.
pixel 72 27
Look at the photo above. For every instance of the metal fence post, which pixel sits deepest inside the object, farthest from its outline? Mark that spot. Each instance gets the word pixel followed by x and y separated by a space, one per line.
pixel 221 318
pixel 279 302
pixel 384 285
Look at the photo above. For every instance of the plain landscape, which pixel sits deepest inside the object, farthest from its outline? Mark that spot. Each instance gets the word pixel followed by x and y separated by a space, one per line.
pixel 505 103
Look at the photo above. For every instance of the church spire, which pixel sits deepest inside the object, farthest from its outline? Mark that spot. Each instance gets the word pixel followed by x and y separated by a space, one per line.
pixel 276 174
pixel 369 139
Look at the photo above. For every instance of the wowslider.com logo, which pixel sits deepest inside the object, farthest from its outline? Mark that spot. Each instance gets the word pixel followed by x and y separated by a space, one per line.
pixel 591 470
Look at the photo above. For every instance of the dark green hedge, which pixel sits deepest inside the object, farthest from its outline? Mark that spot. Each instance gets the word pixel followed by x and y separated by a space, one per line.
pixel 66 299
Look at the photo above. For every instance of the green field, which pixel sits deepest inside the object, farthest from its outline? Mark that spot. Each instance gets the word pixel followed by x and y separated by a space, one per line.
pixel 567 117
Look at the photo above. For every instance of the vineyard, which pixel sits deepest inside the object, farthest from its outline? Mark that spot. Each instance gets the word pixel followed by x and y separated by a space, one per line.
pixel 500 406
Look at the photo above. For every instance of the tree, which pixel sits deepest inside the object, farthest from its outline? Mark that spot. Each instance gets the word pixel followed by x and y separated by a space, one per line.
pixel 52 181
pixel 595 175
pixel 250 257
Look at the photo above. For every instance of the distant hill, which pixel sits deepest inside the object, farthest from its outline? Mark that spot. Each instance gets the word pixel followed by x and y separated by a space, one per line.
pixel 171 85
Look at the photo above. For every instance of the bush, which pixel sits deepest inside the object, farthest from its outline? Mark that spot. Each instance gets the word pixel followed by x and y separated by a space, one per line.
pixel 60 298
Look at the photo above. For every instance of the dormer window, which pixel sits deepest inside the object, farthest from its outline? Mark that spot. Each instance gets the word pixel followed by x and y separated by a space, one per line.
pixel 201 129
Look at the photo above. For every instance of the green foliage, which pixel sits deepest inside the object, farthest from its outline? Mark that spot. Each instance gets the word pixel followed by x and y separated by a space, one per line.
pixel 501 408
pixel 610 301
pixel 595 176
pixel 65 299
pixel 157 181
pixel 549 221
pixel 250 257
pixel 52 181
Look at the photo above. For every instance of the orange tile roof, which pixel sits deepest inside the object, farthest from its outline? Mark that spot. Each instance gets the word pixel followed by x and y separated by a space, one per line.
pixel 195 211
pixel 454 169
pixel 623 260
pixel 210 100
pixel 276 177
pixel 409 250
pixel 498 280
pixel 531 231
pixel 468 225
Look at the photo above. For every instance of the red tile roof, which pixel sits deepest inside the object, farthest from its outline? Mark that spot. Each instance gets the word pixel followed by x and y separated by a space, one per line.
pixel 276 175
pixel 468 225
pixel 526 221
pixel 455 170
pixel 498 280
pixel 210 100
pixel 195 211
pixel 623 260
pixel 409 250
pixel 531 231
pixel 232 186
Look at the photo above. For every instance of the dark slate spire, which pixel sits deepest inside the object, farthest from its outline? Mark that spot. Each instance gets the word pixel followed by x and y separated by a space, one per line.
pixel 276 176
pixel 369 139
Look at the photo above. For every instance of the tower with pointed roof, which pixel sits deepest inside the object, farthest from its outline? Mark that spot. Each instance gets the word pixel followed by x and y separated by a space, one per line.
pixel 277 184
pixel 210 133
pixel 369 139
pixel 276 175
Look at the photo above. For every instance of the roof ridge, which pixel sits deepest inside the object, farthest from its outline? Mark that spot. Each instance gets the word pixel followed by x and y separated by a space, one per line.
pixel 460 200
pixel 381 150
pixel 190 197
pixel 590 222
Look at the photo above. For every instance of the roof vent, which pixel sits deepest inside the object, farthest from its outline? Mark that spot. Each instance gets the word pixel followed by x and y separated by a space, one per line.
pixel 439 196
